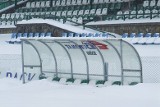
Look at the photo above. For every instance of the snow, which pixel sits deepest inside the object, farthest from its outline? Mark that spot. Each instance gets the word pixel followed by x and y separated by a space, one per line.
pixel 106 22
pixel 44 93
pixel 57 24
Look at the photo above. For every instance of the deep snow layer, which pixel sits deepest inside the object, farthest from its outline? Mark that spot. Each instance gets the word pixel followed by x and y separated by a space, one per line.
pixel 43 93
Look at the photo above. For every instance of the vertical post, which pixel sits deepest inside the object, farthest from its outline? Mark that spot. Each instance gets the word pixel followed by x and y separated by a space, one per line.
pixel 121 52
pixel 106 71
pixel 22 55
pixel 15 4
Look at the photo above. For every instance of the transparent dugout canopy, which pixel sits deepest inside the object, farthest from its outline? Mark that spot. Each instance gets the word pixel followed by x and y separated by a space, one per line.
pixel 86 58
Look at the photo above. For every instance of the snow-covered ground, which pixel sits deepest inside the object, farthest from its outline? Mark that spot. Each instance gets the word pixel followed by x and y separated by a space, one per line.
pixel 43 93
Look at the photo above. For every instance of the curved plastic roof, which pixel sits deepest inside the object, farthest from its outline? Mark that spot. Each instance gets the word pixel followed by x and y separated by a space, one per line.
pixel 87 58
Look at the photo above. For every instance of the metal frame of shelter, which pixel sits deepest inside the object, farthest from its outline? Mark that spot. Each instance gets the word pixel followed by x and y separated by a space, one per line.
pixel 82 58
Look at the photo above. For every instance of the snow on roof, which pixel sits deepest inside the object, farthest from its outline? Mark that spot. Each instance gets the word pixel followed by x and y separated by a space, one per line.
pixel 58 24
pixel 124 22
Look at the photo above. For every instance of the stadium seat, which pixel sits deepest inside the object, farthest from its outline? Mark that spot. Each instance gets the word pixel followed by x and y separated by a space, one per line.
pixel 133 15
pixel 25 35
pixel 138 39
pixel 146 4
pixel 42 35
pixel 155 13
pixel 140 14
pixel 47 4
pixel 104 11
pixel 36 35
pixel 147 13
pixel 68 2
pixel 125 35
pixel 77 35
pixel 105 35
pixel 30 35
pixel 13 38
pixel 90 35
pixel 152 38
pixel 83 35
pixel 49 34
pixel 119 15
pixel 131 38
pixel 70 34
pixel 19 35
pixel 63 2
pixel 157 39
pixel 64 34
pixel 127 14
pixel 96 35
pixel 144 39
pixel 152 3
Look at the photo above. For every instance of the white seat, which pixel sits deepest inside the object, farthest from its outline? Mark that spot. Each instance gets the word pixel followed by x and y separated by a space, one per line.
pixel 98 11
pixel 145 3
pixel 63 80
pixel 86 12
pixel 3 16
pixel 33 4
pixel 58 3
pixel 80 20
pixel 37 4
pixel 77 81
pixel 63 2
pixel 81 12
pixel 140 14
pixel 101 1
pixel 68 2
pixel 96 1
pixel 93 11
pixel 28 5
pixel 47 4
pixel 8 16
pixel 119 14
pixel 147 13
pixel 42 4
pixel 53 3
pixel 74 2
pixel 112 0
pixel 12 15
pixel 106 1
pixel 133 14
pixel 58 13
pixel 152 3
pixel 69 13
pixel 75 12
pixel 104 11
pixel 154 13
pixel 74 19
pixel 64 13
pixel 79 2
pixel 84 1
pixel 158 3
pixel 53 13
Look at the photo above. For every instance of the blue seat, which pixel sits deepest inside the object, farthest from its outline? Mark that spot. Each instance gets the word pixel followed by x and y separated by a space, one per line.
pixel 90 35
pixel 156 35
pixel 76 35
pixel 125 35
pixel 148 35
pixel 83 35
pixel 19 35
pixel 30 35
pixel 49 34
pixel 70 34
pixel 13 38
pixel 25 35
pixel 64 34
pixel 42 34
pixel 36 35
pixel 105 35
pixel 140 35
pixel 97 35
pixel 132 35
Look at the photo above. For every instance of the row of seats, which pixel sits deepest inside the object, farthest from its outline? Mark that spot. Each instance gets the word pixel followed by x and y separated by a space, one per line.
pixel 85 81
pixel 142 38
pixel 105 35
pixel 152 3
pixel 138 14
pixel 15 37
pixel 69 2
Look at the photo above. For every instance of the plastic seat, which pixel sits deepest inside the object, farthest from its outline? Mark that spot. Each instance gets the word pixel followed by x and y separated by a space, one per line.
pixel 25 35
pixel 47 4
pixel 125 35
pixel 28 5
pixel 83 35
pixel 63 2
pixel 77 35
pixel 145 38
pixel 13 38
pixel 98 11
pixel 49 34
pixel 30 35
pixel 70 34
pixel 74 2
pixel 42 34
pixel 97 35
pixel 90 35
pixel 138 38
pixel 33 4
pixel 105 35
pixel 140 14
pixel 68 2
pixel 36 35
pixel 64 34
